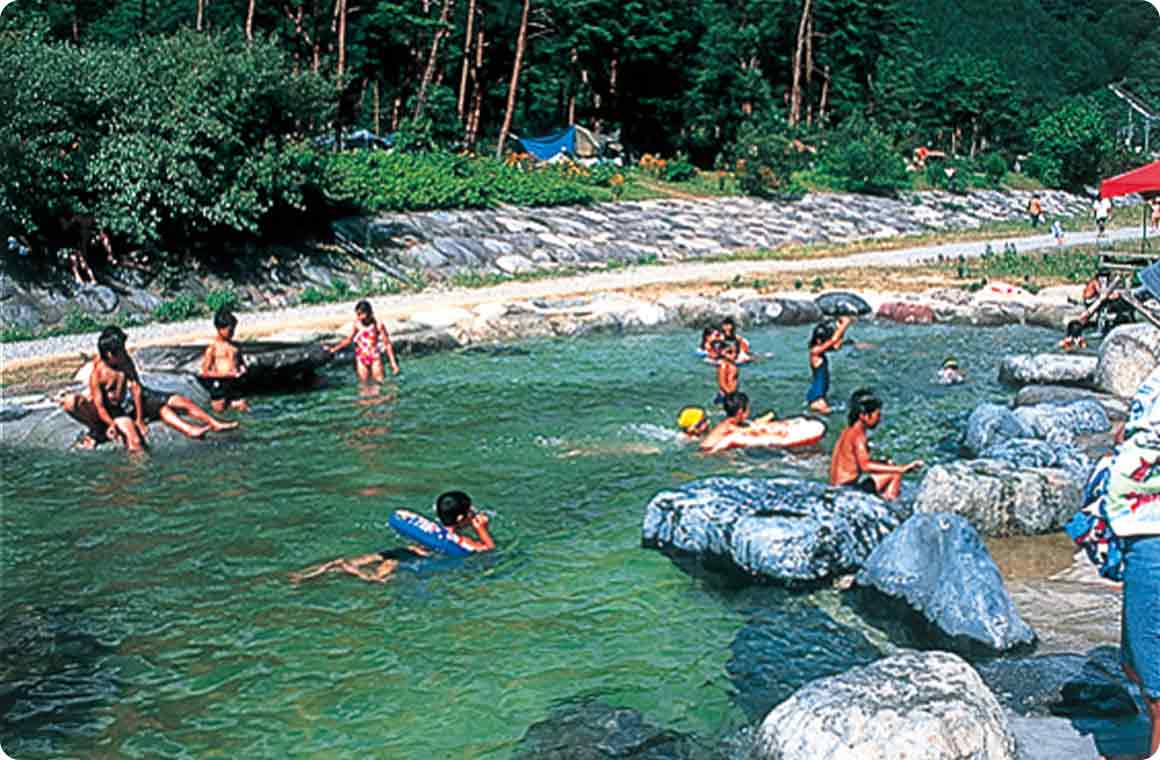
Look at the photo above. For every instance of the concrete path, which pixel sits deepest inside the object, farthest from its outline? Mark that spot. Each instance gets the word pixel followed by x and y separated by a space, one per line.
pixel 338 315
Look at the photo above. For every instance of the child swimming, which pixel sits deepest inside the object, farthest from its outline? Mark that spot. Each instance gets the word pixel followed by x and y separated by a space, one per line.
pixel 826 337
pixel 950 374
pixel 710 336
pixel 370 338
pixel 728 375
pixel 693 421
pixel 851 464
pixel 1074 340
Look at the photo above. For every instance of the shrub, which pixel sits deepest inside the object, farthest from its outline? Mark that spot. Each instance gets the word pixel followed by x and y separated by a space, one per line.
pixel 765 161
pixel 312 295
pixel 995 168
pixel 680 169
pixel 862 159
pixel 222 298
pixel 180 308
pixel 1073 146
pixel 76 321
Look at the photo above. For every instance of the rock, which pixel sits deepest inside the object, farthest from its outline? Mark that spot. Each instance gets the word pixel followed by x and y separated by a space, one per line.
pixel 785 646
pixel 1052 315
pixel 1061 684
pixel 596 731
pixel 423 342
pixel 1127 355
pixel 990 424
pixel 1061 423
pixel 912 313
pixel 842 304
pixel 1051 369
pixel 141 301
pixel 953 296
pixel 16 314
pixel 1001 499
pixel 1031 395
pixel 1030 452
pixel 778 529
pixel 514 264
pixel 96 299
pixel 1081 738
pixel 919 706
pixel 271 367
pixel 936 566
pixel 795 312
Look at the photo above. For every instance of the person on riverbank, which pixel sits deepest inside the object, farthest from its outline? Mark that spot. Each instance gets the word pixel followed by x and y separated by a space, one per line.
pixel 370 338
pixel 1057 233
pixel 826 337
pixel 729 332
pixel 1035 210
pixel 119 407
pixel 728 376
pixel 222 364
pixel 1102 212
pixel 851 464
pixel 455 512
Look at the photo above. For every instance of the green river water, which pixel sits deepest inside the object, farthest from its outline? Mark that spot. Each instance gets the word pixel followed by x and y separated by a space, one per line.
pixel 146 610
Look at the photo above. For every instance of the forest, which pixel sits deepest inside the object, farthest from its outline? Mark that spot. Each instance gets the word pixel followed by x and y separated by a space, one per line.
pixel 176 124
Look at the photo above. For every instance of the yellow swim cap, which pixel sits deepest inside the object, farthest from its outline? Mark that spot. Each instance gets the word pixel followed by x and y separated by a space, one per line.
pixel 690 416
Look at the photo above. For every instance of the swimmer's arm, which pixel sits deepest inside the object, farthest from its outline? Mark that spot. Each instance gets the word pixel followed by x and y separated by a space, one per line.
pixel 206 369
pixel 344 342
pixel 97 396
pixel 390 348
pixel 485 542
pixel 866 464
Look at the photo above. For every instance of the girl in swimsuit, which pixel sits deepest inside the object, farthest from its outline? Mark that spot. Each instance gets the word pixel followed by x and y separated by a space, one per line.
pixel 370 337
pixel 826 337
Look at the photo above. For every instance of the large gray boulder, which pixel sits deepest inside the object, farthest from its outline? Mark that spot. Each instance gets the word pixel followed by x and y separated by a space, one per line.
pixel 779 529
pixel 1031 395
pixel 1061 423
pixel 988 425
pixel 1001 499
pixel 1061 684
pixel 1127 355
pixel 96 299
pixel 918 706
pixel 936 566
pixel 842 304
pixel 596 731
pixel 270 366
pixel 1054 369
pixel 1031 452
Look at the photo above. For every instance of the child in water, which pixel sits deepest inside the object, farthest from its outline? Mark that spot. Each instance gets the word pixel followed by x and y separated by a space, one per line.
pixel 728 375
pixel 455 513
pixel 950 374
pixel 710 336
pixel 729 332
pixel 693 421
pixel 222 364
pixel 826 337
pixel 851 464
pixel 1074 340
pixel 370 337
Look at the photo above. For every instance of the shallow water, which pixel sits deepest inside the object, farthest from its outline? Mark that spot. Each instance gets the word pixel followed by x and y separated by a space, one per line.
pixel 146 611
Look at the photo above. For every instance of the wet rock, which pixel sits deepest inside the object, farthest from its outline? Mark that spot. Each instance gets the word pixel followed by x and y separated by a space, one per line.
pixel 795 312
pixel 1050 369
pixel 1001 499
pixel 1061 423
pixel 842 305
pixel 1031 395
pixel 936 566
pixel 1034 453
pixel 271 367
pixel 782 648
pixel 1127 355
pixel 916 705
pixel 990 424
pixel 514 264
pixel 1053 316
pixel 779 529
pixel 423 342
pixel 596 731
pixel 96 299
pixel 911 313
pixel 141 301
pixel 989 314
pixel 1061 684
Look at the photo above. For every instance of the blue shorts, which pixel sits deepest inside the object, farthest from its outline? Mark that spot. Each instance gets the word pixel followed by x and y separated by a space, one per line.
pixel 1140 629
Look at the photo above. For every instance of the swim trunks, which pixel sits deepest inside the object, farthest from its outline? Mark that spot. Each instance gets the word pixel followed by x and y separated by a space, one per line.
pixel 152 401
pixel 1140 627
pixel 221 388
pixel 719 398
pixel 865 484
pixel 820 382
pixel 400 555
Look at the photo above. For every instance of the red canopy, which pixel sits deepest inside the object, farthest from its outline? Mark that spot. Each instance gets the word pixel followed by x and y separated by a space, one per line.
pixel 1146 179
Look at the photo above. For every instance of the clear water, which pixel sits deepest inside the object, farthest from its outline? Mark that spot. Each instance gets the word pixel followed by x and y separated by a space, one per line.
pixel 146 612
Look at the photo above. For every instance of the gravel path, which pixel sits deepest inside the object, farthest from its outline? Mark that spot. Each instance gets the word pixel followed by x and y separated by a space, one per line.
pixel 336 315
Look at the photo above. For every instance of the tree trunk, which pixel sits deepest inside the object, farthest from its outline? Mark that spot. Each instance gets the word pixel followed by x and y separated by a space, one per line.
pixel 795 97
pixel 809 65
pixel 340 8
pixel 199 24
pixel 824 101
pixel 250 21
pixel 395 108
pixel 513 87
pixel 476 89
pixel 432 58
pixel 378 112
pixel 461 101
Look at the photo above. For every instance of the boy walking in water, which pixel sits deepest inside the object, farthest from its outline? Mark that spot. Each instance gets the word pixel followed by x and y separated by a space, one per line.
pixel 119 407
pixel 222 364
pixel 727 374
pixel 826 337
pixel 455 512
pixel 851 464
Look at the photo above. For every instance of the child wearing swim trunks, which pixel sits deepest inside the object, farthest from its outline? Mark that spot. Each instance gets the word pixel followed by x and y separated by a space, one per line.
pixel 826 337
pixel 729 332
pixel 728 375
pixel 370 338
pixel 851 464
pixel 455 512
pixel 1074 339
pixel 222 364
pixel 119 407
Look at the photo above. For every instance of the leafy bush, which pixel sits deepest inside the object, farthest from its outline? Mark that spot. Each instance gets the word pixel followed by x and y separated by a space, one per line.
pixel 949 175
pixel 994 166
pixel 222 298
pixel 76 321
pixel 680 170
pixel 766 160
pixel 1073 146
pixel 178 309
pixel 863 160
pixel 398 181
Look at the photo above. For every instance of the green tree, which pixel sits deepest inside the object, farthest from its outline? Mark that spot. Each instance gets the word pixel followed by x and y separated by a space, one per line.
pixel 1073 145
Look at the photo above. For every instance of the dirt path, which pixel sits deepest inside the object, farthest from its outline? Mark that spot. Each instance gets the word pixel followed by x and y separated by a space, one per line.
pixel 20 359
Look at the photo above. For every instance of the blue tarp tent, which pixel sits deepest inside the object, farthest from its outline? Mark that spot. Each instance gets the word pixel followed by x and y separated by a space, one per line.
pixel 550 146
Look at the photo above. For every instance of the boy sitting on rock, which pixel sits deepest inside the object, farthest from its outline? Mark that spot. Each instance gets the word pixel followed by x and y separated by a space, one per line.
pixel 851 464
